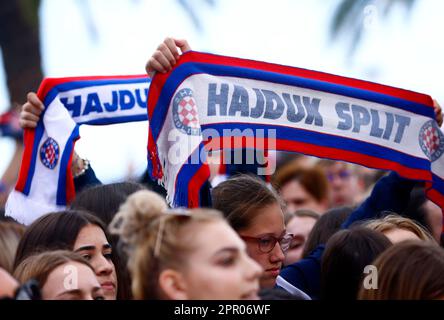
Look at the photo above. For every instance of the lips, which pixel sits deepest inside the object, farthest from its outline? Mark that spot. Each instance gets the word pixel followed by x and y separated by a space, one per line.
pixel 273 271
pixel 108 285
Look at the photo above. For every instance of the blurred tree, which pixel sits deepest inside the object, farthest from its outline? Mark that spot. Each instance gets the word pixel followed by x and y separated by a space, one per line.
pixel 20 45
pixel 352 17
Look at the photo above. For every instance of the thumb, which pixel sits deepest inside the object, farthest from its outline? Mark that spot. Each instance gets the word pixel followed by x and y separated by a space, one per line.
pixel 183 45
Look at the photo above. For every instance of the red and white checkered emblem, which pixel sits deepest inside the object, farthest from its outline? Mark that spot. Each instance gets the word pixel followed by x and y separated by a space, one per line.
pixel 185 115
pixel 187 112
pixel 49 153
pixel 431 140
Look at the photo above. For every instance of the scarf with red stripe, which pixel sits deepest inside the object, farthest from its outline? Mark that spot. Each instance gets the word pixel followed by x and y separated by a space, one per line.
pixel 45 182
pixel 206 101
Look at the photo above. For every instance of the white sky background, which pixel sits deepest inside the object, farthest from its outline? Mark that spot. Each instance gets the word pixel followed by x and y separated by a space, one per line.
pixel 402 50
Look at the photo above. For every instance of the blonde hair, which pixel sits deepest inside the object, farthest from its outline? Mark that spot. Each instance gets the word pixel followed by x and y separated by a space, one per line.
pixel 156 238
pixel 40 265
pixel 10 235
pixel 396 269
pixel 393 221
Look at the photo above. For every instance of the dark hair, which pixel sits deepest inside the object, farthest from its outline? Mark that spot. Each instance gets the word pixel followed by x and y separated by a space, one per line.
pixel 325 227
pixel 346 255
pixel 104 200
pixel 397 269
pixel 241 197
pixel 54 231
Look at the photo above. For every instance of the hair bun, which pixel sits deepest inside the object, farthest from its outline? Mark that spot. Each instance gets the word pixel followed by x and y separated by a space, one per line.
pixel 135 216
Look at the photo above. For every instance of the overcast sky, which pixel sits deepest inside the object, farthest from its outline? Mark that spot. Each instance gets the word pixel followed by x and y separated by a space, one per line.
pixel 404 50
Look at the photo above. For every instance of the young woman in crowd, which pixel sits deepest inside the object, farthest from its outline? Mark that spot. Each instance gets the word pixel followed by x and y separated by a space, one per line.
pixel 103 201
pixel 254 211
pixel 61 275
pixel 395 270
pixel 75 231
pixel 299 224
pixel 183 254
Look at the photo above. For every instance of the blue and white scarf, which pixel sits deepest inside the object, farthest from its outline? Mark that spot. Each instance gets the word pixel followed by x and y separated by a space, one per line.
pixel 207 100
pixel 45 182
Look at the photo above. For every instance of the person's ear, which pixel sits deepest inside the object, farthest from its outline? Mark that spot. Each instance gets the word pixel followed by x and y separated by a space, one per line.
pixel 173 285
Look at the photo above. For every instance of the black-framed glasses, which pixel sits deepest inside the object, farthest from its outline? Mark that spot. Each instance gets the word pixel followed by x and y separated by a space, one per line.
pixel 266 243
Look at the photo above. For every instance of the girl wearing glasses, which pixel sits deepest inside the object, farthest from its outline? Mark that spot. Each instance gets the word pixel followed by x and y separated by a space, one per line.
pixel 183 254
pixel 254 211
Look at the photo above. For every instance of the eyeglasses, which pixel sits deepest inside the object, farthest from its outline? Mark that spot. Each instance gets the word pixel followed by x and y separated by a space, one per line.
pixel 343 175
pixel 267 242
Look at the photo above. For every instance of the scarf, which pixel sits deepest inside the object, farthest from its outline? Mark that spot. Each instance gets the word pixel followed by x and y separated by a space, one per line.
pixel 208 101
pixel 45 181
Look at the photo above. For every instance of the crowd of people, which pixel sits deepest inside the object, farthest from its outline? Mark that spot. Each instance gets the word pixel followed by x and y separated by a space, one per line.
pixel 318 229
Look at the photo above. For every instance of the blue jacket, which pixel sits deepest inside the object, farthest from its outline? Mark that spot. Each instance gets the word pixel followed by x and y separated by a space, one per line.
pixel 390 193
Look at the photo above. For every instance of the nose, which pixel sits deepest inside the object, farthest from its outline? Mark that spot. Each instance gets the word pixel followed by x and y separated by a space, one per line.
pixel 254 270
pixel 102 266
pixel 277 254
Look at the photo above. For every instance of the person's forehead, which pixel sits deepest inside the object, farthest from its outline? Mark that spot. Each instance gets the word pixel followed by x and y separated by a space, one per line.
pixel 91 235
pixel 213 237
pixel 299 223
pixel 268 220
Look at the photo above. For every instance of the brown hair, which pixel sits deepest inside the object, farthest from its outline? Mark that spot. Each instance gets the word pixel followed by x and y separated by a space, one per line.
pixel 313 180
pixel 394 221
pixel 10 234
pixel 397 268
pixel 241 197
pixel 39 266
pixel 156 238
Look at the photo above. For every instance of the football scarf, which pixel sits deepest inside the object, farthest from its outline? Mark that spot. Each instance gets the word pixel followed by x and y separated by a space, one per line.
pixel 208 101
pixel 45 182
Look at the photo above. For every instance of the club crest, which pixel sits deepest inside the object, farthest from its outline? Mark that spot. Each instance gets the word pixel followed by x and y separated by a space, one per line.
pixel 431 140
pixel 49 153
pixel 185 114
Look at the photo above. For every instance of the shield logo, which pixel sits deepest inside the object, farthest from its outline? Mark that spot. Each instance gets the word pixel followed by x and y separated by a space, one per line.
pixel 49 153
pixel 185 115
pixel 431 140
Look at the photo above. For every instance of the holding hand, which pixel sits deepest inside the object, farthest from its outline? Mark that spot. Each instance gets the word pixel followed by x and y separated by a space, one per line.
pixel 166 55
pixel 31 111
